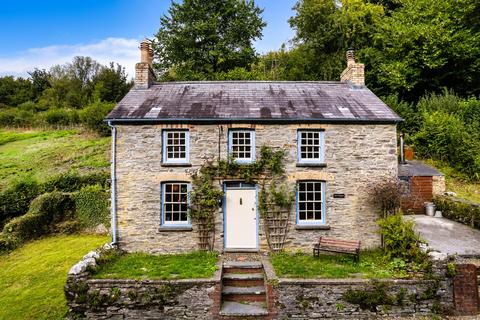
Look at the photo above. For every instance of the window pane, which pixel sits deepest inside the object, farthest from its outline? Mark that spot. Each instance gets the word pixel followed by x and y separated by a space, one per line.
pixel 241 145
pixel 310 201
pixel 175 202
pixel 176 145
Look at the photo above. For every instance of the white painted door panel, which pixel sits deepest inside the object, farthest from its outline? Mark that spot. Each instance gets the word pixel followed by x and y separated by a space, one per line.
pixel 241 219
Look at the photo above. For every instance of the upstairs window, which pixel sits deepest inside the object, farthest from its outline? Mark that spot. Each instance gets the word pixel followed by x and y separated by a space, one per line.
pixel 241 145
pixel 311 202
pixel 175 146
pixel 310 146
pixel 175 203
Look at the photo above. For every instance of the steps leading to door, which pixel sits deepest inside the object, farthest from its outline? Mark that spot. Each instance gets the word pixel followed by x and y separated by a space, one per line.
pixel 243 290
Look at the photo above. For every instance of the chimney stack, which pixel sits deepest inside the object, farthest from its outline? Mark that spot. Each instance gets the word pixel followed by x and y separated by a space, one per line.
pixel 144 75
pixel 355 72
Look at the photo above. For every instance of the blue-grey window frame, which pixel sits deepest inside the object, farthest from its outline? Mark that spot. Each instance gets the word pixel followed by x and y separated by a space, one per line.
pixel 321 160
pixel 188 223
pixel 165 159
pixel 324 206
pixel 252 144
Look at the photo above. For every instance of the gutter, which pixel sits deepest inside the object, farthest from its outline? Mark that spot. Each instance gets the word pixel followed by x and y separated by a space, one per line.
pixel 113 166
pixel 251 120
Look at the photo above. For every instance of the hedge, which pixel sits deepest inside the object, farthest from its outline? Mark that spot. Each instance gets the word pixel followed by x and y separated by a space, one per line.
pixel 92 206
pixel 45 210
pixel 459 210
pixel 15 201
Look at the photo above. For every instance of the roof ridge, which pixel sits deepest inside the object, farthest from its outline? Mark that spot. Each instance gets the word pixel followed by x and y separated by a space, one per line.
pixel 250 81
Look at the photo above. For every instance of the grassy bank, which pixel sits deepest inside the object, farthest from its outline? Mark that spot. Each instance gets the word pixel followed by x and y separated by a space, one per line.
pixel 32 277
pixel 40 154
pixel 458 183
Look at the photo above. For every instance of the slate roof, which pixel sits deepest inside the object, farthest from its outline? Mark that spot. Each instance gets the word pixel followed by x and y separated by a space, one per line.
pixel 417 169
pixel 252 101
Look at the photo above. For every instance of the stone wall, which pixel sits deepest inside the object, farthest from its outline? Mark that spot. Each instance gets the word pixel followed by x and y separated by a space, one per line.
pixel 131 299
pixel 356 156
pixel 326 298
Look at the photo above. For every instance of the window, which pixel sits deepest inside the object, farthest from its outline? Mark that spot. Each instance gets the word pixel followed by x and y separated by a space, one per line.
pixel 175 203
pixel 241 145
pixel 311 202
pixel 175 146
pixel 310 146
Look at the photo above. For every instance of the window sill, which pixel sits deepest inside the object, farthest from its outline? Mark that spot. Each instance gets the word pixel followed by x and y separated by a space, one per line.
pixel 306 164
pixel 174 228
pixel 311 227
pixel 180 164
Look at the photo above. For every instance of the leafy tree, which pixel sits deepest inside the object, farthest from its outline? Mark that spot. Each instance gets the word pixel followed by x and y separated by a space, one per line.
pixel 424 46
pixel 14 91
pixel 111 83
pixel 325 29
pixel 199 38
pixel 40 81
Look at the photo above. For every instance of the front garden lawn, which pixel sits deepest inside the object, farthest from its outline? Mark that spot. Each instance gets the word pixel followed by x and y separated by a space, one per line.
pixel 32 277
pixel 142 266
pixel 372 264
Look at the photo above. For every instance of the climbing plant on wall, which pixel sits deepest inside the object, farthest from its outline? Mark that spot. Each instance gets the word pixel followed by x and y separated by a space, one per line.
pixel 275 198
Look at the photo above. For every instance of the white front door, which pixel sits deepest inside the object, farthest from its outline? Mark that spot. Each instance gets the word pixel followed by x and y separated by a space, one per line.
pixel 241 219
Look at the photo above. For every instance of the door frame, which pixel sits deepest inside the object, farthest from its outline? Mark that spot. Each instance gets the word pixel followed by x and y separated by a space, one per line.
pixel 224 209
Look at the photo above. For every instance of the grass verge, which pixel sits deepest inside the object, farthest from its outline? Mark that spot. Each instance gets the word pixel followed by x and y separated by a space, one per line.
pixel 142 266
pixel 372 265
pixel 32 277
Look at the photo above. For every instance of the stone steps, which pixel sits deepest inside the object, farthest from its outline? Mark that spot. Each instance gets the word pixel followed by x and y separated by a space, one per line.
pixel 243 290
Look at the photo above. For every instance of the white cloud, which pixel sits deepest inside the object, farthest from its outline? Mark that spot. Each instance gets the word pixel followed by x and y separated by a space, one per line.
pixel 118 50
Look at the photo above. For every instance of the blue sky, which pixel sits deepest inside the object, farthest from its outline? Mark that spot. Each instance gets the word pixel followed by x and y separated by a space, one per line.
pixel 45 33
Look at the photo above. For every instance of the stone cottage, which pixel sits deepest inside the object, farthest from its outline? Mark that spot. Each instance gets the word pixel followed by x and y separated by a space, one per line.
pixel 338 136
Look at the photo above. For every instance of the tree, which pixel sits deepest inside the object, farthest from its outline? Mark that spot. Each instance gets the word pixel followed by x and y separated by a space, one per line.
pixel 425 46
pixel 111 83
pixel 40 81
pixel 325 29
pixel 198 39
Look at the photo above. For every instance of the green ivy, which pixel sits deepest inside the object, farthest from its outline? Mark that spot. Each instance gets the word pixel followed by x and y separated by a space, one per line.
pixel 205 197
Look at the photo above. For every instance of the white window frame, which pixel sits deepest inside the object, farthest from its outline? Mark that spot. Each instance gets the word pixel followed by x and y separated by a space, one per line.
pixel 163 221
pixel 322 201
pixel 252 145
pixel 321 145
pixel 165 158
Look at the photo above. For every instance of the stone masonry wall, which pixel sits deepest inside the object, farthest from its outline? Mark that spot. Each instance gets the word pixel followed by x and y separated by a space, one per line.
pixel 356 156
pixel 89 298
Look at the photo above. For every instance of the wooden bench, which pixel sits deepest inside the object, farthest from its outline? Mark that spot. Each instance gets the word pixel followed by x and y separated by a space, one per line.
pixel 339 246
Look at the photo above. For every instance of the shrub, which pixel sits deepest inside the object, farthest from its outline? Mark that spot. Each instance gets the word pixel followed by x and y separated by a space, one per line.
pixel 61 117
pixel 400 240
pixel 386 196
pixel 92 206
pixel 92 117
pixel 45 210
pixel 459 210
pixel 72 181
pixel 13 117
pixel 15 200
pixel 445 137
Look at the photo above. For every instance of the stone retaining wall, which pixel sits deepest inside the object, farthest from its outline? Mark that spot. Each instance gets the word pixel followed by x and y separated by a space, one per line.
pixel 131 299
pixel 326 298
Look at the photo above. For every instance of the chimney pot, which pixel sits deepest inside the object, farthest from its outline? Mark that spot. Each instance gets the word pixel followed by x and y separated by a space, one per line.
pixel 144 75
pixel 350 57
pixel 354 73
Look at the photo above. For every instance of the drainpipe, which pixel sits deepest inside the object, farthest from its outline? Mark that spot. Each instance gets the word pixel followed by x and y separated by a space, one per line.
pixel 402 148
pixel 113 166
